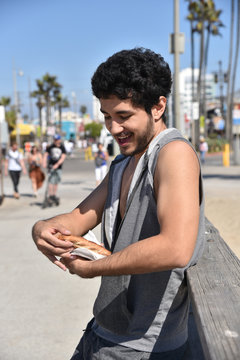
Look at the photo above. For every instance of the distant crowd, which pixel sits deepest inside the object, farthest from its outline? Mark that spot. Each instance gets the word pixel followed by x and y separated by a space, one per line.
pixel 34 159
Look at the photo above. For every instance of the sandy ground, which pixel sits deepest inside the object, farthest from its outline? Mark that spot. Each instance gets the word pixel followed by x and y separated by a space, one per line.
pixel 222 202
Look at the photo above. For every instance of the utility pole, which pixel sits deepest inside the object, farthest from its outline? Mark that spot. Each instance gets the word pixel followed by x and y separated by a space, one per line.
pixel 221 80
pixel 176 48
pixel 16 102
pixel 30 101
pixel 176 66
pixel 2 119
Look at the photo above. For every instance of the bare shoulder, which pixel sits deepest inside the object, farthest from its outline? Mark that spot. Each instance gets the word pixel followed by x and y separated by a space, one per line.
pixel 177 154
pixel 177 161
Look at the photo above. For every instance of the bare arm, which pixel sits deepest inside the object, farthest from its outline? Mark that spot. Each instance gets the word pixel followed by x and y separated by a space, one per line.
pixel 6 166
pixel 23 166
pixel 60 161
pixel 86 216
pixel 40 159
pixel 106 155
pixel 176 185
pixel 45 156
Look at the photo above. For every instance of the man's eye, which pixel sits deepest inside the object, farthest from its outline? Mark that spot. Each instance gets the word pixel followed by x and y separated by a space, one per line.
pixel 106 117
pixel 125 117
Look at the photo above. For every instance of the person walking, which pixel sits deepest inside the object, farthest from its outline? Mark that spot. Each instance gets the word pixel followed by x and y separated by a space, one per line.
pixel 53 159
pixel 14 164
pixel 151 209
pixel 36 175
pixel 203 148
pixel 101 157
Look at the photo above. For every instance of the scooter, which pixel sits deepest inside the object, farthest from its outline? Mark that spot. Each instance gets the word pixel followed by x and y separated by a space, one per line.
pixel 52 200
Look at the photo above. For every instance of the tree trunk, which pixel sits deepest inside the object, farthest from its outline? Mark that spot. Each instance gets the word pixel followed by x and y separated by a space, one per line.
pixel 228 124
pixel 60 118
pixel 199 90
pixel 236 155
pixel 40 124
pixel 204 113
pixel 48 110
pixel 193 92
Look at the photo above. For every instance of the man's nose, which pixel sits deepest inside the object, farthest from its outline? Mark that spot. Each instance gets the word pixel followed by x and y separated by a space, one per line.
pixel 115 127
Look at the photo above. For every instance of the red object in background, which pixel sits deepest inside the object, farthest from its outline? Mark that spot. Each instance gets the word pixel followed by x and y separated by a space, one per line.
pixel 27 146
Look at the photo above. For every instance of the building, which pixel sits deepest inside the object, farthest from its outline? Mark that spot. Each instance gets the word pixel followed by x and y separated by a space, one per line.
pixel 188 105
pixel 97 114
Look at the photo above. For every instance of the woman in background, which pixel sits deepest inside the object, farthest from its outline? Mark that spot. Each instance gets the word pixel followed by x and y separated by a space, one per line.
pixel 35 173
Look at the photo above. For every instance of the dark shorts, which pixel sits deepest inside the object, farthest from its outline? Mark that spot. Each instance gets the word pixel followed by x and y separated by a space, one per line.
pixel 93 347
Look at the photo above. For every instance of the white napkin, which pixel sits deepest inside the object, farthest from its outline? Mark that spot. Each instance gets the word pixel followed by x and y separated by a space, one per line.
pixel 86 253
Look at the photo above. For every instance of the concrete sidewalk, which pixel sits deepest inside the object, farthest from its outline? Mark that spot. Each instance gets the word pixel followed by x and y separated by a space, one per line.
pixel 43 309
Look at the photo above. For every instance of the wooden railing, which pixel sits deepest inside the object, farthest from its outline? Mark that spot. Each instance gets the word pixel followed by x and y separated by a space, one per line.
pixel 214 287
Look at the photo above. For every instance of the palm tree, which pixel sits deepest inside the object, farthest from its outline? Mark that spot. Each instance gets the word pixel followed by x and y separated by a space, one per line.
pixel 5 101
pixel 213 24
pixel 10 113
pixel 203 15
pixel 190 17
pixel 196 17
pixel 83 109
pixel 48 85
pixel 40 104
pixel 61 102
pixel 46 88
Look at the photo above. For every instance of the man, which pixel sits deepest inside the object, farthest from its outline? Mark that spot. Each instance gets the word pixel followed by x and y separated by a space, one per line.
pixel 151 208
pixel 54 157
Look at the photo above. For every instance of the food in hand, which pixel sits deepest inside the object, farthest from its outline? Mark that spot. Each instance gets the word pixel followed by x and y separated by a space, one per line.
pixel 81 242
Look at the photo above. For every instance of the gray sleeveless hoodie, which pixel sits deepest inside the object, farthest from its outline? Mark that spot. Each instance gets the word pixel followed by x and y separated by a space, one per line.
pixel 147 312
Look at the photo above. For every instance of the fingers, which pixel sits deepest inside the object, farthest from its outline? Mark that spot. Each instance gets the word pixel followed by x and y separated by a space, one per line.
pixel 57 262
pixel 56 242
pixel 49 248
pixel 75 264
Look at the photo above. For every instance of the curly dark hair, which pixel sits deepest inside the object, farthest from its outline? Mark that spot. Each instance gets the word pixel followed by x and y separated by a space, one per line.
pixel 138 74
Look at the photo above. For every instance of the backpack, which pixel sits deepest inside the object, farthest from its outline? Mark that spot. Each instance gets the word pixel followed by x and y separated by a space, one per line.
pixel 98 161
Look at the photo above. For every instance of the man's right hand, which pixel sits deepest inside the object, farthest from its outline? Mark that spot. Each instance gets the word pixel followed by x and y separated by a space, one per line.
pixel 44 236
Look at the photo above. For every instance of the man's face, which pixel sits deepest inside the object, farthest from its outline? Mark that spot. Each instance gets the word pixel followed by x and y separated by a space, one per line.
pixel 14 147
pixel 57 142
pixel 131 127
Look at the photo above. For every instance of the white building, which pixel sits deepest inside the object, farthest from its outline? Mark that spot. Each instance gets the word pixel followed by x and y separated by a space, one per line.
pixel 188 107
pixel 97 114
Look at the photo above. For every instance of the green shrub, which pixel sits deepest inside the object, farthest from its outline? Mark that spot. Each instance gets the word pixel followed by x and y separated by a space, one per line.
pixel 216 144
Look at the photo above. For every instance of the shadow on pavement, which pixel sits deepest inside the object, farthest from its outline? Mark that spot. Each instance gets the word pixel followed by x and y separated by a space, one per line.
pixel 221 176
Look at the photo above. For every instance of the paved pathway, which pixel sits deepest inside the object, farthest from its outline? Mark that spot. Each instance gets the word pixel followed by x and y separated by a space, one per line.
pixel 43 309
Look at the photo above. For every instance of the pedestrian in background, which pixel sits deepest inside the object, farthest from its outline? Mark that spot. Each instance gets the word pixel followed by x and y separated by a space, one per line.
pixel 36 175
pixel 203 148
pixel 14 164
pixel 53 159
pixel 101 157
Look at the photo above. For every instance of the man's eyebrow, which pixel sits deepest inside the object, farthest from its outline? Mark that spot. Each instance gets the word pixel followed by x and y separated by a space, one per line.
pixel 118 112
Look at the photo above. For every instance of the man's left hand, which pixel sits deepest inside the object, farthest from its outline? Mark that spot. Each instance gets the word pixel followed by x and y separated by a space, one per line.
pixel 78 265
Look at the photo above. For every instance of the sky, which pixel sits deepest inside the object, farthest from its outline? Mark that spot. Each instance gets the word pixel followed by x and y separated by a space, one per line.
pixel 70 38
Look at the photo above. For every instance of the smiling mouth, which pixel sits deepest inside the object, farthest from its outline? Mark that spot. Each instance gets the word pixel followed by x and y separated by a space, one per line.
pixel 124 139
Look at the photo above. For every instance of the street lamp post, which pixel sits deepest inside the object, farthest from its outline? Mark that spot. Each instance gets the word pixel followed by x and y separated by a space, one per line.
pixel 16 102
pixel 176 48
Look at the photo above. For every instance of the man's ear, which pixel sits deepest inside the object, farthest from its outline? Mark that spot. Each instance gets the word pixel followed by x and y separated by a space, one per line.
pixel 158 109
